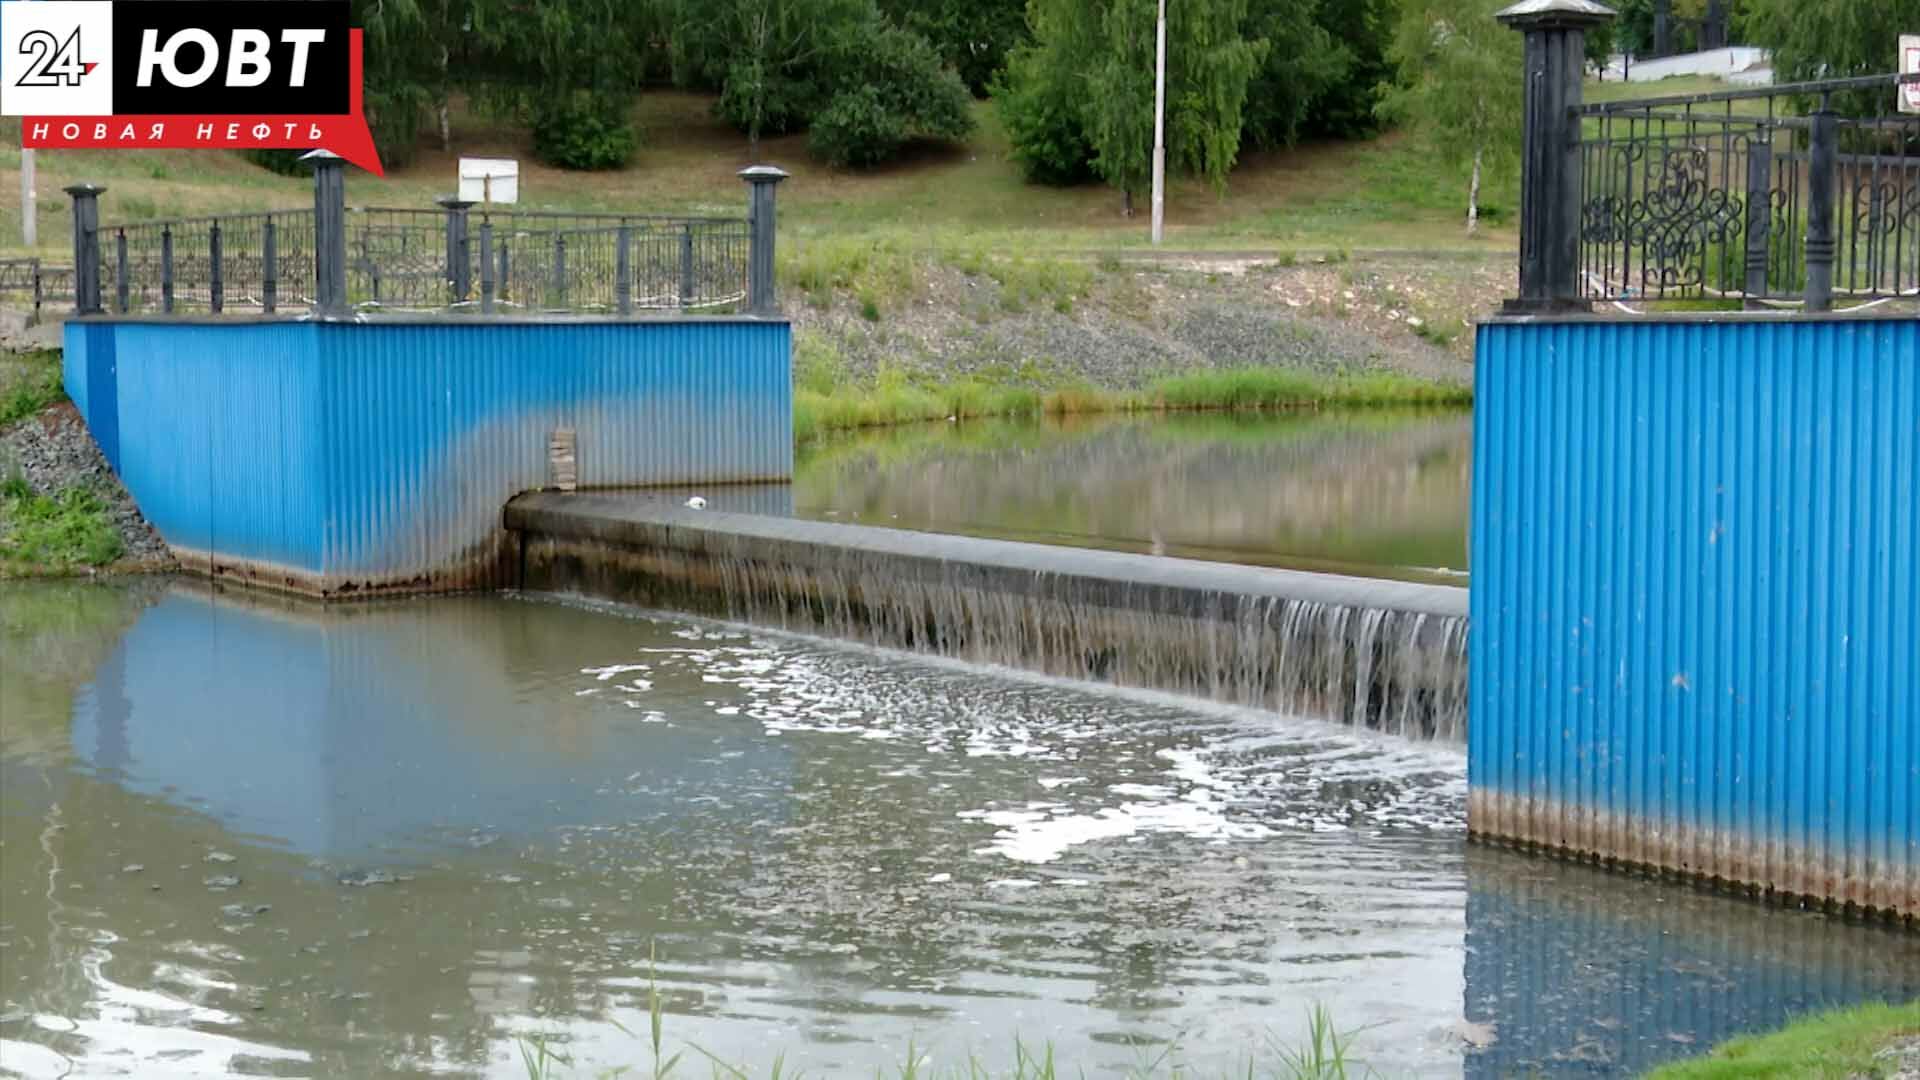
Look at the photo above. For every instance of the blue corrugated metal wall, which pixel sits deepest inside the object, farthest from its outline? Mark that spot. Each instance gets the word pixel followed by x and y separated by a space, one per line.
pixel 345 456
pixel 1696 605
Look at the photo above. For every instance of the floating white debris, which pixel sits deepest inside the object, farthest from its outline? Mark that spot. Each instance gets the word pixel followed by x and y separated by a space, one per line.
pixel 696 503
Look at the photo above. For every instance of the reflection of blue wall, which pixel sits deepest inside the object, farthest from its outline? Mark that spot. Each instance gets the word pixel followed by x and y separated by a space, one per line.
pixel 1581 973
pixel 345 736
pixel 352 455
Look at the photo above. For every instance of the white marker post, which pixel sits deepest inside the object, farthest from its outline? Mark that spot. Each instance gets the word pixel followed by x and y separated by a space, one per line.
pixel 1910 65
pixel 1160 126
pixel 490 180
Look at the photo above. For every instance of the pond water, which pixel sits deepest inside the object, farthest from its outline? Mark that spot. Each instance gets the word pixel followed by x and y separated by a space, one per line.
pixel 242 836
pixel 1373 493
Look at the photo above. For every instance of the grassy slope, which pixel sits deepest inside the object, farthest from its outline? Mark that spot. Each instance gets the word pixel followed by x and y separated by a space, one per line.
pixel 1381 194
pixel 1837 1045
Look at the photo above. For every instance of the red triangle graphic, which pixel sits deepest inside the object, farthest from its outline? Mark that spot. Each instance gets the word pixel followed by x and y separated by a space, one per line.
pixel 91 66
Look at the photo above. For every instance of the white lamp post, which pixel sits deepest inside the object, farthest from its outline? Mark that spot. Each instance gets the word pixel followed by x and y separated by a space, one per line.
pixel 1160 126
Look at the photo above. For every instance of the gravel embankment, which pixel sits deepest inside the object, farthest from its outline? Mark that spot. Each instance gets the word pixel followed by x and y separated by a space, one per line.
pixel 55 451
pixel 1137 325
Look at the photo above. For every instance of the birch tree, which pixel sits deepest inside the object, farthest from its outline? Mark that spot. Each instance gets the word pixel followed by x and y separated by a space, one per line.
pixel 1459 88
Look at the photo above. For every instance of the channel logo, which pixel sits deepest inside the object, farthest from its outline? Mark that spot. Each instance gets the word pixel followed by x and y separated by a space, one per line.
pixel 138 73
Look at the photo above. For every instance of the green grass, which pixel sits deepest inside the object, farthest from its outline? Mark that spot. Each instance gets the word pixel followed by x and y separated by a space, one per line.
pixel 29 382
pixel 1837 1045
pixel 53 534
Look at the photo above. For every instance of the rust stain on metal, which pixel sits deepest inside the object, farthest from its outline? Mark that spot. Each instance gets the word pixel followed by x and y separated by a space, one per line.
pixel 1756 866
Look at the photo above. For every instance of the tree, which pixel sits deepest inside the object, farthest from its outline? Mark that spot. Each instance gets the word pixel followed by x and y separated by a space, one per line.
pixel 973 37
pixel 902 91
pixel 1088 80
pixel 1301 85
pixel 1460 86
pixel 1835 39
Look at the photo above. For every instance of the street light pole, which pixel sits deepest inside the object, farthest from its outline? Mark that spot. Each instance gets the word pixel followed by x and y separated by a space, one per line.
pixel 1160 126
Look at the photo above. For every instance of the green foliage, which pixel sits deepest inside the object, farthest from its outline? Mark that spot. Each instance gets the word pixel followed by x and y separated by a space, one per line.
pixel 862 85
pixel 1457 85
pixel 1041 99
pixel 62 532
pixel 581 129
pixel 1079 99
pixel 34 386
pixel 1835 39
pixel 905 93
pixel 1347 107
pixel 973 37
pixel 284 162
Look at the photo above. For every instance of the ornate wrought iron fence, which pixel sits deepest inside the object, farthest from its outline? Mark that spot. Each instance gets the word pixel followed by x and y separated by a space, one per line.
pixel 1731 196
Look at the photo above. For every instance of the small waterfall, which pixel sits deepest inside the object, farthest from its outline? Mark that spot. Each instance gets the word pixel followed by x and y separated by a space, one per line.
pixel 1225 633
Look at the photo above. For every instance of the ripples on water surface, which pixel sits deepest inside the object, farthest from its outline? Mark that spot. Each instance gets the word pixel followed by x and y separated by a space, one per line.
pixel 248 837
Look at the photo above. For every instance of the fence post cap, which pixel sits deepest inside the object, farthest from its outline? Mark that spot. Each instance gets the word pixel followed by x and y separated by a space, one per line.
pixel 319 158
pixel 764 174
pixel 80 190
pixel 455 202
pixel 1555 14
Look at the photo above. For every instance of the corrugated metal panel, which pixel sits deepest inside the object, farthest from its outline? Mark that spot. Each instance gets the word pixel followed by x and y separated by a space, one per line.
pixel 218 437
pixel 331 457
pixel 434 426
pixel 1696 606
pixel 1578 972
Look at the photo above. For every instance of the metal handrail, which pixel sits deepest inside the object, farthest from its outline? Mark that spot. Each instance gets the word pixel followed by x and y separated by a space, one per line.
pixel 1829 86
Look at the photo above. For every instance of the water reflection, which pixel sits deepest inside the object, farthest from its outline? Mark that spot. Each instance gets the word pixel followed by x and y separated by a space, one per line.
pixel 1377 494
pixel 248 837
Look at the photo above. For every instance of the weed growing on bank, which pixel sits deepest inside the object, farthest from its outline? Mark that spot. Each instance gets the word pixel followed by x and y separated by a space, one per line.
pixel 64 532
pixel 1326 1054
pixel 29 382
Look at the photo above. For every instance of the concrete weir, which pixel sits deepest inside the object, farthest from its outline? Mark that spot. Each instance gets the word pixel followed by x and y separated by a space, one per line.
pixel 1386 655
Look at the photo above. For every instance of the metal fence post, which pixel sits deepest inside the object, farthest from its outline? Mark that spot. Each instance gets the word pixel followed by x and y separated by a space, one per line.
pixel 506 271
pixel 86 247
pixel 120 292
pixel 559 299
pixel 329 232
pixel 486 265
pixel 1821 245
pixel 1550 186
pixel 1759 227
pixel 216 271
pixel 166 269
pixel 269 266
pixel 459 251
pixel 623 269
pixel 39 290
pixel 761 182
pixel 687 280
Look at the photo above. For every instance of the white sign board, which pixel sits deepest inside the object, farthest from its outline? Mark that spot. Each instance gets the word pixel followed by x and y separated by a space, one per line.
pixel 1910 65
pixel 490 180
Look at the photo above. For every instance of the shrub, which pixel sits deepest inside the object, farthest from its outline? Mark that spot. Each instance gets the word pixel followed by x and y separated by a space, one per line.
pixel 584 129
pixel 857 129
pixel 900 91
pixel 1042 115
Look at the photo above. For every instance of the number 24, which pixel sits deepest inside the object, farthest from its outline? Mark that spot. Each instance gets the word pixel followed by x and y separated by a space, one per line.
pixel 55 63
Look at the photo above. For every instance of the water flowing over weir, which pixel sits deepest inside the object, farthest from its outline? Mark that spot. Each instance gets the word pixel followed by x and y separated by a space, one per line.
pixel 1385 655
